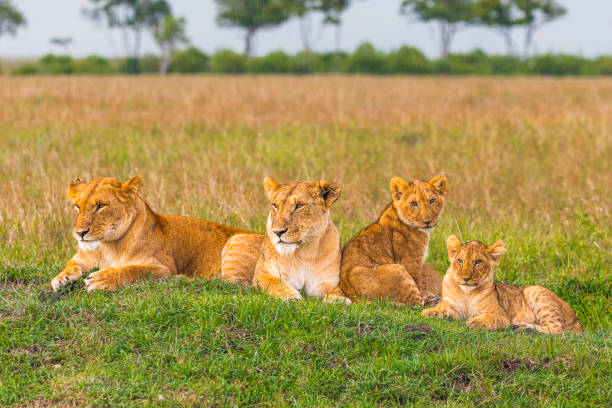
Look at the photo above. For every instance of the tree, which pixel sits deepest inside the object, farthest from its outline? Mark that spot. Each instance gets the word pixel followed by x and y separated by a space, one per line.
pixel 130 16
pixel 252 15
pixel 537 13
pixel 331 10
pixel 63 42
pixel 449 14
pixel 10 18
pixel 168 35
pixel 501 15
pixel 504 15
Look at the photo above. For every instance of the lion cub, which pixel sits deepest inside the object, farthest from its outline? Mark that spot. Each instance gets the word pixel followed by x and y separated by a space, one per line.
pixel 469 292
pixel 387 258
pixel 301 247
pixel 117 232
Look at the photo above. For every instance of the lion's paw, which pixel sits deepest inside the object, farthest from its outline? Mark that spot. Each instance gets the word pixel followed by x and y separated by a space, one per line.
pixel 104 279
pixel 64 279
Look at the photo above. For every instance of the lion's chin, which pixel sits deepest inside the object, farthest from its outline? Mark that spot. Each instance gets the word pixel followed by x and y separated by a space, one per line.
pixel 467 288
pixel 89 245
pixel 284 248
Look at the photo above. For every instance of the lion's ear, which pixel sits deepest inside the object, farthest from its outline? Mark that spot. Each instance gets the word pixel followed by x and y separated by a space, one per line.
pixel 397 185
pixel 270 185
pixel 452 245
pixel 439 183
pixel 131 187
pixel 329 192
pixel 496 250
pixel 75 188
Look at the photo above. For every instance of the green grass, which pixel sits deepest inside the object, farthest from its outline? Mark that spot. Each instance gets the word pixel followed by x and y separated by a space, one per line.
pixel 194 343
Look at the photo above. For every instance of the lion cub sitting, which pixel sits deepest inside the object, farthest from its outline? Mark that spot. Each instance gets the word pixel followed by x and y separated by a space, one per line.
pixel 301 247
pixel 118 233
pixel 468 292
pixel 387 258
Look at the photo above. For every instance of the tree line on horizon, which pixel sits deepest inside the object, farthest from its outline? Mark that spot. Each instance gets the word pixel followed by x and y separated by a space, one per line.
pixel 133 18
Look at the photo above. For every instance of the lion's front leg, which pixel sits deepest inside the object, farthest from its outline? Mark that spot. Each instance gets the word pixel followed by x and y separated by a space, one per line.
pixel 275 286
pixel 491 321
pixel 71 273
pixel 112 278
pixel 334 294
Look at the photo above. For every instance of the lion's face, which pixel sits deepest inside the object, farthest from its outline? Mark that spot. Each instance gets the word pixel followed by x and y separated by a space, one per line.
pixel 103 209
pixel 299 212
pixel 419 204
pixel 472 264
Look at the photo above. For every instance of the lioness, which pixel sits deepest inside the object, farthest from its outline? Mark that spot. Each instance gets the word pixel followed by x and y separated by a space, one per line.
pixel 301 247
pixel 469 292
pixel 387 258
pixel 117 232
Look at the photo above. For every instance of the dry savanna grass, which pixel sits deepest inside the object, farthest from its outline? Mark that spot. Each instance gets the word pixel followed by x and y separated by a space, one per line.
pixel 528 151
pixel 528 161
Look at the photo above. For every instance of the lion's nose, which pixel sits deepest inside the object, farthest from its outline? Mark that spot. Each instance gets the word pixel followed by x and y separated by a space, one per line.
pixel 279 233
pixel 427 222
pixel 82 233
pixel 467 279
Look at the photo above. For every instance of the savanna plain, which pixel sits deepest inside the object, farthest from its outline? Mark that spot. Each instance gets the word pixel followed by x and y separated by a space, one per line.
pixel 529 161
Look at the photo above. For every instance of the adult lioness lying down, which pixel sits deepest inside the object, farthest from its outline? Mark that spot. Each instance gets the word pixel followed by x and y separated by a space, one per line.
pixel 301 247
pixel 118 233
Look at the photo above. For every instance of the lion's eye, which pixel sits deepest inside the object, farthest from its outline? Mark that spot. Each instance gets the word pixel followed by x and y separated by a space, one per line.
pixel 100 206
pixel 460 261
pixel 414 204
pixel 298 206
pixel 432 201
pixel 477 262
pixel 274 207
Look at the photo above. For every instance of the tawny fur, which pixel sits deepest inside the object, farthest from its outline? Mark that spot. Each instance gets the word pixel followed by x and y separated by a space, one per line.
pixel 387 259
pixel 118 233
pixel 301 247
pixel 469 292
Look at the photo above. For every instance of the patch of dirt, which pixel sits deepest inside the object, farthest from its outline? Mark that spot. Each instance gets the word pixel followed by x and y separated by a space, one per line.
pixel 462 382
pixel 338 362
pixel 418 331
pixel 512 365
pixel 236 337
pixel 364 328
pixel 45 403
pixel 310 349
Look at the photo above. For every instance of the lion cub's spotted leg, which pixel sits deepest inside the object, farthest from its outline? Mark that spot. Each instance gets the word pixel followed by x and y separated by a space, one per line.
pixel 390 281
pixel 441 310
pixel 548 311
pixel 112 278
pixel 274 286
pixel 71 273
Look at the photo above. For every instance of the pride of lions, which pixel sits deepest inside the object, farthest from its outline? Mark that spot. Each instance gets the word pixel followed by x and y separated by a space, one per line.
pixel 300 253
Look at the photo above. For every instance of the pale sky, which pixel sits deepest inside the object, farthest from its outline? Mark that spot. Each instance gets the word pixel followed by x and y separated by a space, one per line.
pixel 586 30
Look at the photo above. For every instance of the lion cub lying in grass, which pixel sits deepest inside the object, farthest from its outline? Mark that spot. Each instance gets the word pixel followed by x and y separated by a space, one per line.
pixel 469 292
pixel 119 233
pixel 301 247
